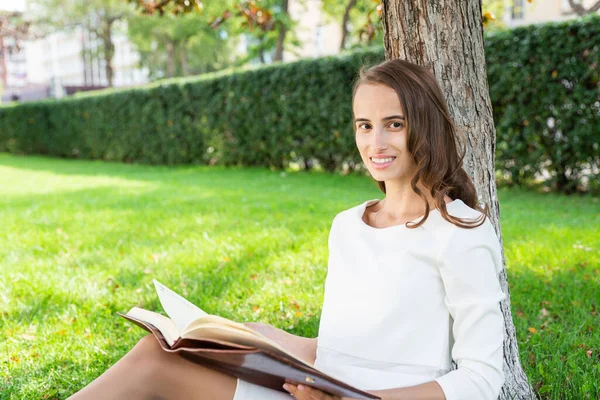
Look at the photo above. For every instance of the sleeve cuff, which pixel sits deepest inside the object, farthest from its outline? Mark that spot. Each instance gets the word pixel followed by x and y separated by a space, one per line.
pixel 445 383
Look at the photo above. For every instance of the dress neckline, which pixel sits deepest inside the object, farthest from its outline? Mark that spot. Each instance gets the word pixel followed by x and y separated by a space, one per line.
pixel 363 207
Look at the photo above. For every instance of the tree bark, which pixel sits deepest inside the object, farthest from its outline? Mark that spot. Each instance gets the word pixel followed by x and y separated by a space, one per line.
pixel 185 70
pixel 261 50
pixel 447 37
pixel 282 33
pixel 109 50
pixel 580 10
pixel 351 4
pixel 171 57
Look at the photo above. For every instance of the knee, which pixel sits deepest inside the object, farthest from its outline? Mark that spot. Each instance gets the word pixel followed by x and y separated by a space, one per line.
pixel 146 361
pixel 147 353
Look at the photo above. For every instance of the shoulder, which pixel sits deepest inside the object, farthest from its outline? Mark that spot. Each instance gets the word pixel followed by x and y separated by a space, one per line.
pixel 446 230
pixel 482 239
pixel 458 208
pixel 484 230
pixel 350 215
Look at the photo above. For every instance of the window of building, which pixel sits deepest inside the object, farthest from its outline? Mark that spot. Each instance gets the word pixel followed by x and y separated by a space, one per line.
pixel 518 9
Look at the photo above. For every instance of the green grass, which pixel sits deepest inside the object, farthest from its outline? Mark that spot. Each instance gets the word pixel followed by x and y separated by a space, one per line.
pixel 81 240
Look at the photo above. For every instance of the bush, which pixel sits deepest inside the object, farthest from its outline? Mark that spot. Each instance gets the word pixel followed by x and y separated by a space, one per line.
pixel 545 90
pixel 543 85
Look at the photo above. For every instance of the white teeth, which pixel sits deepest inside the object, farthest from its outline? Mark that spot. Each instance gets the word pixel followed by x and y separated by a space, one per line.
pixel 382 160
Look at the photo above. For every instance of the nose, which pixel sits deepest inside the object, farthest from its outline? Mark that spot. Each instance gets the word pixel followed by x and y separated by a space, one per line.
pixel 379 138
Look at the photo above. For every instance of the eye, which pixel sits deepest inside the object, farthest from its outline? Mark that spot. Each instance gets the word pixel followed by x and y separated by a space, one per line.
pixel 400 125
pixel 360 125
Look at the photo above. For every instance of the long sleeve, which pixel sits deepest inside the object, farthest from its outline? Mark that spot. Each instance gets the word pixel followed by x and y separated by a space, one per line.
pixel 469 266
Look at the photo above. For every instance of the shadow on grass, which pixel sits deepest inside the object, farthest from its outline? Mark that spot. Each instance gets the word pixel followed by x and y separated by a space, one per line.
pixel 230 177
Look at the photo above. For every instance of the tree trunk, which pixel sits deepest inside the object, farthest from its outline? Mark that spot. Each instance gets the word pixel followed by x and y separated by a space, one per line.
pixel 447 37
pixel 261 50
pixel 171 54
pixel 580 10
pixel 185 70
pixel 109 51
pixel 351 4
pixel 282 33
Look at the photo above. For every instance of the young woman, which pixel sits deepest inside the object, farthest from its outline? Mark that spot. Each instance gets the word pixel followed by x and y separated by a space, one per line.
pixel 412 281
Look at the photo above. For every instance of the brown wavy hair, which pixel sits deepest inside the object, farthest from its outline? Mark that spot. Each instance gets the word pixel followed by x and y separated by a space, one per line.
pixel 432 137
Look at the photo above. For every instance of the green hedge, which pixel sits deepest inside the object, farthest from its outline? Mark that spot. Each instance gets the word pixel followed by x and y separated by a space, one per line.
pixel 263 117
pixel 301 112
pixel 545 90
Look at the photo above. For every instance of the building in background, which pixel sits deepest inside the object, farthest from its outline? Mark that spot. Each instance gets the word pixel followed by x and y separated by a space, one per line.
pixel 64 62
pixel 13 70
pixel 70 61
pixel 14 82
pixel 319 38
pixel 521 12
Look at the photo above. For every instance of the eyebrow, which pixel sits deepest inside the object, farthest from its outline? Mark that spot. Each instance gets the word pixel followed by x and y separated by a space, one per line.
pixel 384 119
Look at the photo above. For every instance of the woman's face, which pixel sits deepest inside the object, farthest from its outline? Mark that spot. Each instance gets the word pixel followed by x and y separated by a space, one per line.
pixel 381 133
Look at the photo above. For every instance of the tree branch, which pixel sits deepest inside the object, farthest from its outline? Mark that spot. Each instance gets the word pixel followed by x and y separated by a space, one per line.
pixel 351 4
pixel 580 10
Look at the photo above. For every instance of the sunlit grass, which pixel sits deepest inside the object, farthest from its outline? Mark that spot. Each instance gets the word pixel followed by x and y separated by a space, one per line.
pixel 80 240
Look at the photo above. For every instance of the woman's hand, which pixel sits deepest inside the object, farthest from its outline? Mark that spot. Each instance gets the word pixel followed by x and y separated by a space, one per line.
pixel 303 392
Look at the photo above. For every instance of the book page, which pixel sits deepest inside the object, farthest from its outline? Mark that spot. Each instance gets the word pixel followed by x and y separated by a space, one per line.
pixel 181 311
pixel 160 322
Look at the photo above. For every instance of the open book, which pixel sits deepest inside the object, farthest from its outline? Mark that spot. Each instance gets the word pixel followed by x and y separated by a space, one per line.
pixel 231 347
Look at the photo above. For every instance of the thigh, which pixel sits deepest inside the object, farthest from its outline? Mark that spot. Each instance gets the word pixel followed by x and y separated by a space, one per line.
pixel 175 377
pixel 148 372
pixel 249 391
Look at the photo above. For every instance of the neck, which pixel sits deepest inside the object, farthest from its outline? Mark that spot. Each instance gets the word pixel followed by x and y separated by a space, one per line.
pixel 400 199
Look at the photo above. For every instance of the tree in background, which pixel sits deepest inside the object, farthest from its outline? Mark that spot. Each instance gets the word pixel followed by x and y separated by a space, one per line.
pixel 363 19
pixel 13 30
pixel 15 27
pixel 96 16
pixel 172 46
pixel 581 10
pixel 267 23
pixel 458 63
pixel 360 21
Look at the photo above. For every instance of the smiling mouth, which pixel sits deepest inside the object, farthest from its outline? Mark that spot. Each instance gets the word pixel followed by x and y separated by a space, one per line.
pixel 382 161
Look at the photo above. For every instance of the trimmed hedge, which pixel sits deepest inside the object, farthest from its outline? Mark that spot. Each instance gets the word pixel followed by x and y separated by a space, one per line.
pixel 301 111
pixel 266 116
pixel 545 90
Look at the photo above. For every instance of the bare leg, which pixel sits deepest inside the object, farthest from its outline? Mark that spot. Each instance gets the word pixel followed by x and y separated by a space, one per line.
pixel 147 372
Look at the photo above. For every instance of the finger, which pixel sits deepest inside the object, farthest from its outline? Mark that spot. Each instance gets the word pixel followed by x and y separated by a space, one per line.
pixel 293 390
pixel 300 392
pixel 309 392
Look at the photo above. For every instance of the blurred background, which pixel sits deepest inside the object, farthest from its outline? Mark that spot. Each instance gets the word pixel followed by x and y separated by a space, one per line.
pixel 54 48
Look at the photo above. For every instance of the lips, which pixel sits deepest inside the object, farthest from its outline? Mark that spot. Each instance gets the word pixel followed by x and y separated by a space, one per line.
pixel 384 164
pixel 382 158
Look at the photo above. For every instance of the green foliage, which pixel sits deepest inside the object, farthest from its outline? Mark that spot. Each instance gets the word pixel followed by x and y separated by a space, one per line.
pixel 263 116
pixel 179 46
pixel 362 15
pixel 545 90
pixel 300 112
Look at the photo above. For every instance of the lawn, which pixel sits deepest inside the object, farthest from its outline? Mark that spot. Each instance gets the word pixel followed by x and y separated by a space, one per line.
pixel 81 240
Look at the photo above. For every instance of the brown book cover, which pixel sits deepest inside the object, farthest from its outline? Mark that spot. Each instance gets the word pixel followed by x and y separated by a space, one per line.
pixel 231 347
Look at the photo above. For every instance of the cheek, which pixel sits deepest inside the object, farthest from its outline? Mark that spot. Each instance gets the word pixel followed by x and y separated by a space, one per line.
pixel 360 142
pixel 399 141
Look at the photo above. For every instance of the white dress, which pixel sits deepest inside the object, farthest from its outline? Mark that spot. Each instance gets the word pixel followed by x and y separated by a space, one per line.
pixel 400 304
